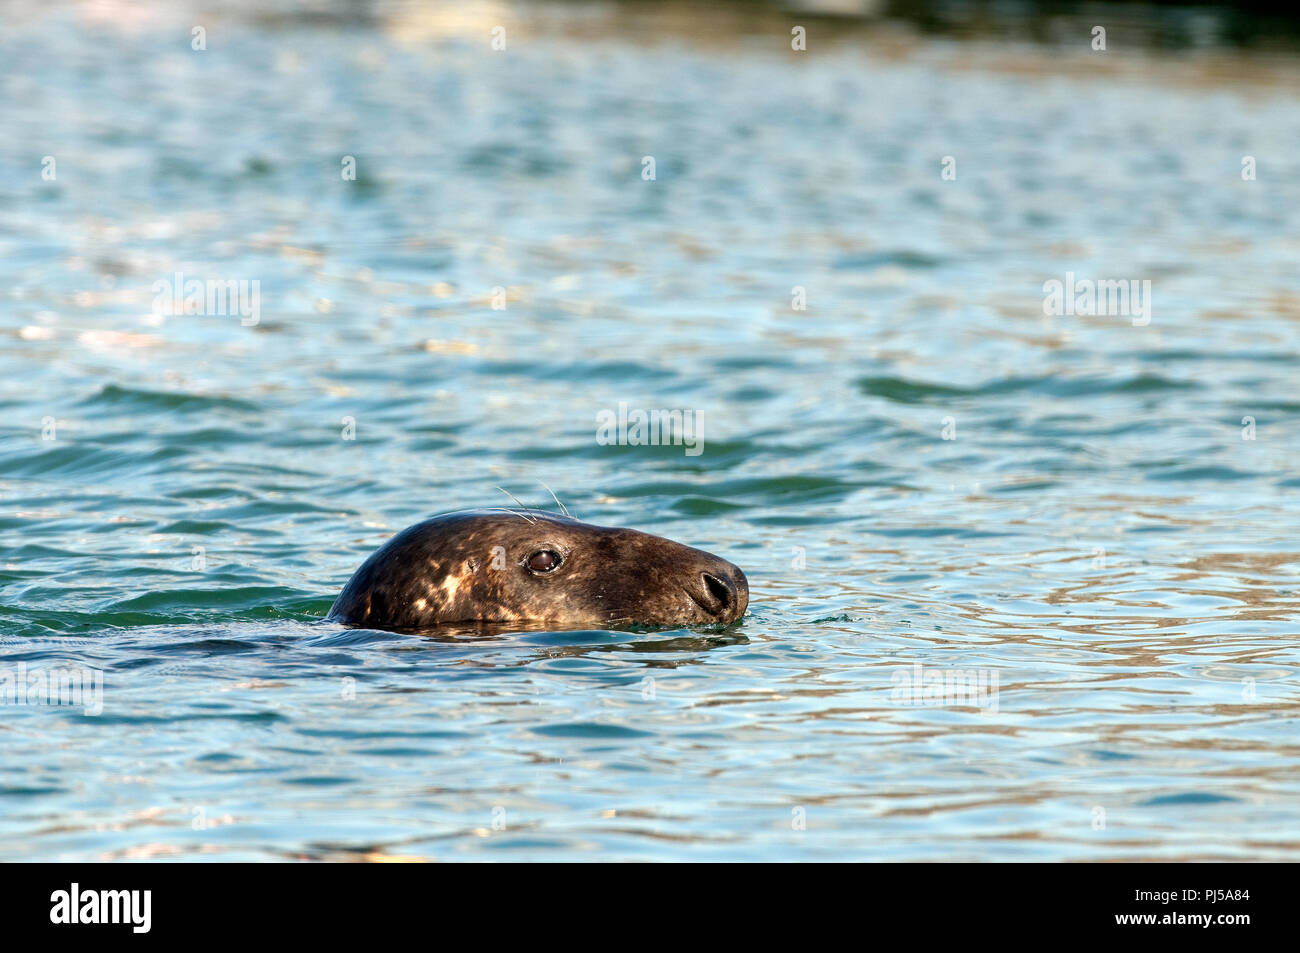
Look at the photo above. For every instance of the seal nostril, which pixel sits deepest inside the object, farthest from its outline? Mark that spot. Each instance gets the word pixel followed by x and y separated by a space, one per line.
pixel 719 590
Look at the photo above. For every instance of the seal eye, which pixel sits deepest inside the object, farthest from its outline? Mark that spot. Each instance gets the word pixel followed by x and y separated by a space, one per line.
pixel 546 560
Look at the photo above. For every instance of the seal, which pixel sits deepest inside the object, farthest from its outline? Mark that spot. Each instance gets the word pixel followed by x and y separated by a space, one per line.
pixel 527 566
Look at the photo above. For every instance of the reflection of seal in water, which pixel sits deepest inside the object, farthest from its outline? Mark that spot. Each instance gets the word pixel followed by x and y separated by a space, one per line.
pixel 510 566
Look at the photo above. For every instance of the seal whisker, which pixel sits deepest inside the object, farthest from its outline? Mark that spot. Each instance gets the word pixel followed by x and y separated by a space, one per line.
pixel 502 509
pixel 563 509
pixel 527 511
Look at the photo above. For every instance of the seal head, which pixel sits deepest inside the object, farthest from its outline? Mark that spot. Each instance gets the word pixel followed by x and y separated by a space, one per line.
pixel 513 566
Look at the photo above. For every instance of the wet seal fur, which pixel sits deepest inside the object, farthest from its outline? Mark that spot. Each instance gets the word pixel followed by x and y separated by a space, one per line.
pixel 508 566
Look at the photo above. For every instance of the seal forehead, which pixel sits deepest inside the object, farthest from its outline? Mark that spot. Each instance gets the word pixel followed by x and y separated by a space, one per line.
pixel 480 533
pixel 477 526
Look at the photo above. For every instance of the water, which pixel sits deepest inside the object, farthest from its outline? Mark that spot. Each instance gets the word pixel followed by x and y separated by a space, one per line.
pixel 1099 536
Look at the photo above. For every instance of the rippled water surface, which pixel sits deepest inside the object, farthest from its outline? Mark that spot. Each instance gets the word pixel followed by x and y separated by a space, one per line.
pixel 1099 544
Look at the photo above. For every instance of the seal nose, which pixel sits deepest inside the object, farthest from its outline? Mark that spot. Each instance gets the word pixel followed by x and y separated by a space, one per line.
pixel 724 593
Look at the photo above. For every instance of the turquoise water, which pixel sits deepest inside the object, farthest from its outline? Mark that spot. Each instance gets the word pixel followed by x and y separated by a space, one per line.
pixel 1098 544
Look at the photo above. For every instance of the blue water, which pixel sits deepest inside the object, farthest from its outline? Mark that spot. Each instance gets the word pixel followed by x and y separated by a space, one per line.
pixel 1103 539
